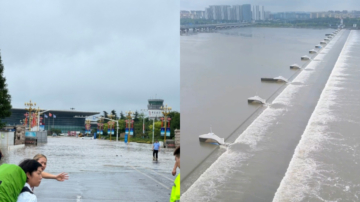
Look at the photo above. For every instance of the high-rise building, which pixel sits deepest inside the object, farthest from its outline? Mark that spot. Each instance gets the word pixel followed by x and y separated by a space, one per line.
pixel 209 14
pixel 225 15
pixel 256 13
pixel 262 13
pixel 197 14
pixel 246 13
pixel 226 12
pixel 238 13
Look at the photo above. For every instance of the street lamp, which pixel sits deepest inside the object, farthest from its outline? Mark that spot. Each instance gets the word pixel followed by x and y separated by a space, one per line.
pixel 117 125
pixel 87 126
pixel 165 112
pixel 30 109
pixel 129 122
pixel 110 124
pixel 100 124
pixel 38 117
pixel 143 116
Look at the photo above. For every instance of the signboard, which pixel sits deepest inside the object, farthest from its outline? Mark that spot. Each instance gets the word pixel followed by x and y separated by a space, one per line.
pixel 126 138
pixel 162 132
pixel 131 131
pixel 30 134
pixel 155 113
pixel 42 127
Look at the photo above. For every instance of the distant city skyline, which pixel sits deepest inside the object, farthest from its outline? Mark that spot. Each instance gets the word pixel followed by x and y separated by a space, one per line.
pixel 278 5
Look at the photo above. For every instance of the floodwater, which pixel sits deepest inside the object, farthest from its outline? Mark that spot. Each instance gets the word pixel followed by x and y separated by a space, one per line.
pixel 219 71
pixel 100 170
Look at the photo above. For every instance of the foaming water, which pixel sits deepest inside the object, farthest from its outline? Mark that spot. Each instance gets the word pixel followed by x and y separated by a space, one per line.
pixel 326 161
pixel 229 177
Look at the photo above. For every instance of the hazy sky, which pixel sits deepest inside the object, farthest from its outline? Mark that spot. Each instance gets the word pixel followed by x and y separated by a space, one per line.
pixel 91 55
pixel 277 5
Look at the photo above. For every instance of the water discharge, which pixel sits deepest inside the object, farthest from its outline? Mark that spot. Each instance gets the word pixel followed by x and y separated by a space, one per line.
pixel 325 161
pixel 251 169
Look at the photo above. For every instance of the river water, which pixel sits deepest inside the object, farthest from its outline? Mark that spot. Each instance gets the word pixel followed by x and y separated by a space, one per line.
pixel 100 170
pixel 219 71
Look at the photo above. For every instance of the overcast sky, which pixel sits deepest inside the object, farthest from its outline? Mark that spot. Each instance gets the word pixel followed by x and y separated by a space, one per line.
pixel 277 5
pixel 91 55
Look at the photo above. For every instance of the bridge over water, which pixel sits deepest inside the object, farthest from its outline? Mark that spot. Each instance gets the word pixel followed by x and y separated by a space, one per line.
pixel 211 27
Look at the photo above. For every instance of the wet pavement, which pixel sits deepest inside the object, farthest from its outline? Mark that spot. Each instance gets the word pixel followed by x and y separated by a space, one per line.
pixel 100 170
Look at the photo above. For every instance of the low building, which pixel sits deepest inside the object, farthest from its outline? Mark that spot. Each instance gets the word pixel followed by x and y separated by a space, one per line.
pixel 64 120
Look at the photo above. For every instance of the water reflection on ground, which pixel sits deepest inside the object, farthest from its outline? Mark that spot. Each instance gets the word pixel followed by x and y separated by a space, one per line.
pixel 102 160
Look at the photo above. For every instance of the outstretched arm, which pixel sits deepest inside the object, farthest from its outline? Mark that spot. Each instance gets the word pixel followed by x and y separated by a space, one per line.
pixel 60 177
pixel 174 169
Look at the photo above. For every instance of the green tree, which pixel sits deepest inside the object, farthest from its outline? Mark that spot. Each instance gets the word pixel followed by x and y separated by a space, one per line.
pixel 113 112
pixel 175 122
pixel 5 98
pixel 136 116
pixel 156 131
pixel 122 116
pixel 121 126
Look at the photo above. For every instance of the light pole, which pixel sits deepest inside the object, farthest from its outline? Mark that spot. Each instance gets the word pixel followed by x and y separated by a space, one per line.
pixel 117 126
pixel 110 124
pixel 143 115
pixel 165 112
pixel 38 113
pixel 30 109
pixel 87 127
pixel 129 121
pixel 99 126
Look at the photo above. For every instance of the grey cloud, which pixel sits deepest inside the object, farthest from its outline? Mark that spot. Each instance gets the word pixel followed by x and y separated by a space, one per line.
pixel 91 55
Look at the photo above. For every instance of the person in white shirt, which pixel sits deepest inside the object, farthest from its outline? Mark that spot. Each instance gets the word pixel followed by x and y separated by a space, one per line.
pixel 33 171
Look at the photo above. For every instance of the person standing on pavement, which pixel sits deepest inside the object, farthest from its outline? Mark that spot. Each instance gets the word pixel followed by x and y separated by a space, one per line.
pixel 156 149
pixel 175 191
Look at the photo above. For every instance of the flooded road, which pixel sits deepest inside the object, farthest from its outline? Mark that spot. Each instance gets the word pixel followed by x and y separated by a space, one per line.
pixel 100 170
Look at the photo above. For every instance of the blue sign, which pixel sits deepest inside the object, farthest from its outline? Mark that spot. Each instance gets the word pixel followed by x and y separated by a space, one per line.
pixel 30 134
pixel 162 132
pixel 126 131
pixel 126 138
pixel 94 135
pixel 131 131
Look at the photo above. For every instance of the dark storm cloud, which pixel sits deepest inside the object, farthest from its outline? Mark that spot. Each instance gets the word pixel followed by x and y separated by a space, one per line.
pixel 91 55
pixel 277 5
